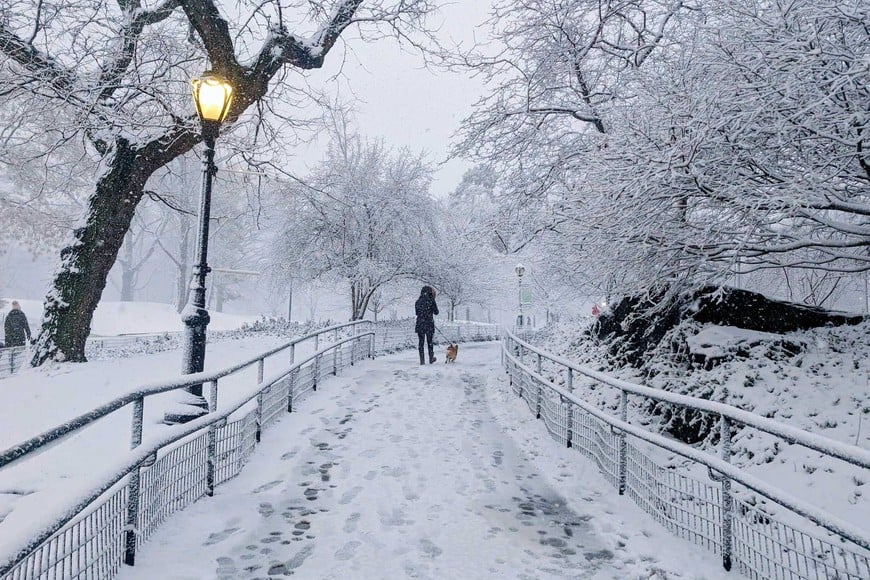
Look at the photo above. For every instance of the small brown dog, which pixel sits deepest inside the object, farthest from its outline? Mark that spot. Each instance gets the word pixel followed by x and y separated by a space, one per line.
pixel 452 351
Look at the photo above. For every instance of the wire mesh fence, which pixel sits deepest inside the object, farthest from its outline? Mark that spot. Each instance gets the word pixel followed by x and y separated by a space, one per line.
pixel 12 359
pixel 106 532
pixel 91 546
pixel 705 513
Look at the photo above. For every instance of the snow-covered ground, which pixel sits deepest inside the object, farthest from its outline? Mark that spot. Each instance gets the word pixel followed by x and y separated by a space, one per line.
pixel 399 471
pixel 118 318
pixel 824 388
pixel 36 400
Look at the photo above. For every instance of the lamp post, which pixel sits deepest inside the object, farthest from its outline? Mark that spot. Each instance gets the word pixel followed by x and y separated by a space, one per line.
pixel 520 270
pixel 212 96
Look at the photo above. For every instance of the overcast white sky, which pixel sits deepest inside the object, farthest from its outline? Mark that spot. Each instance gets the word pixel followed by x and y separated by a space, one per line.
pixel 397 98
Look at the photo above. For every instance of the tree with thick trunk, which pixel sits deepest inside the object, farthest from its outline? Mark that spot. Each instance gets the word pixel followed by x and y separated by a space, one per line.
pixel 133 111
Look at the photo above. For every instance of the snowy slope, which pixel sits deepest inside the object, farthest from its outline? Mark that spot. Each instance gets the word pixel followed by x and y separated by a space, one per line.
pixel 824 389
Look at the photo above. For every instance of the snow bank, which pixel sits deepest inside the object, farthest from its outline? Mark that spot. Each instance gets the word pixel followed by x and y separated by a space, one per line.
pixel 719 341
pixel 822 387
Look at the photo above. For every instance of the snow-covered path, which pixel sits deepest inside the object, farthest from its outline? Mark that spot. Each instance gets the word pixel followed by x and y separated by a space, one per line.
pixel 399 471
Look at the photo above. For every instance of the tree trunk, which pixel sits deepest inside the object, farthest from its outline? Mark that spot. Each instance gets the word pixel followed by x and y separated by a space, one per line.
pixel 359 300
pixel 81 279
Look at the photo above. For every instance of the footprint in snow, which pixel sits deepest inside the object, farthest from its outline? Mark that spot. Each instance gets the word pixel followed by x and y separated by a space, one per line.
pixel 347 551
pixel 350 495
pixel 267 486
pixel 218 537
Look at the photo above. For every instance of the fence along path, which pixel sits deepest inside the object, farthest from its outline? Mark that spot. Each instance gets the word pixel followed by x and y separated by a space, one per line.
pixel 398 470
pixel 103 527
pixel 702 512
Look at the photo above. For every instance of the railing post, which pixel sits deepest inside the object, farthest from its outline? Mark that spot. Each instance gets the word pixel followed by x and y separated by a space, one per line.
pixel 727 500
pixel 212 437
pixel 292 353
pixel 259 432
pixel 316 361
pixel 372 343
pixel 136 426
pixel 293 374
pixel 538 402
pixel 539 364
pixel 260 365
pixel 570 385
pixel 133 487
pixel 316 372
pixel 623 442
pixel 335 352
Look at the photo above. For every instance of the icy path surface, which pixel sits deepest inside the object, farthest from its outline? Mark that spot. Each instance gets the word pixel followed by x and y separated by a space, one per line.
pixel 399 471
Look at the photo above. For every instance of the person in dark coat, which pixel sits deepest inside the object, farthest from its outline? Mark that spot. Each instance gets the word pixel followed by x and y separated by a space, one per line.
pixel 426 308
pixel 16 327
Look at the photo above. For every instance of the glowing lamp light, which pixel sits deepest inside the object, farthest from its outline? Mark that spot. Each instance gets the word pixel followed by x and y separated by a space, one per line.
pixel 212 96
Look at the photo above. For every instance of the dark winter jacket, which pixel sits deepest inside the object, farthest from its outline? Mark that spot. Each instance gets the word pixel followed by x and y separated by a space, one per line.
pixel 425 308
pixel 17 329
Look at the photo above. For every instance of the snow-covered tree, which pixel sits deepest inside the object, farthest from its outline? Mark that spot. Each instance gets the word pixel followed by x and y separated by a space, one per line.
pixel 116 73
pixel 363 217
pixel 673 143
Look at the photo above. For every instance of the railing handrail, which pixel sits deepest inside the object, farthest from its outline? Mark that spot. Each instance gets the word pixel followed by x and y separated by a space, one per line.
pixel 35 443
pixel 832 523
pixel 849 453
pixel 141 454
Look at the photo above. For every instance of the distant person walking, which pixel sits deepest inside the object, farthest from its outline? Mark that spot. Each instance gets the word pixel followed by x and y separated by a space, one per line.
pixel 16 327
pixel 425 309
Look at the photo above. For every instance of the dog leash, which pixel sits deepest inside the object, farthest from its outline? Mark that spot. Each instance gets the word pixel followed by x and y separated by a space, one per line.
pixel 438 330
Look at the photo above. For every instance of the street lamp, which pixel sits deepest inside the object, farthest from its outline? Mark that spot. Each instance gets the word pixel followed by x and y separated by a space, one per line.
pixel 212 96
pixel 520 270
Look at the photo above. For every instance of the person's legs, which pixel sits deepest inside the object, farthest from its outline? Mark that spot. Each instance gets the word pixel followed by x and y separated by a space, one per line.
pixel 429 336
pixel 420 337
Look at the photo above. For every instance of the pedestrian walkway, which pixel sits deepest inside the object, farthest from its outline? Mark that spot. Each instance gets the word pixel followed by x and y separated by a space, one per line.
pixel 394 470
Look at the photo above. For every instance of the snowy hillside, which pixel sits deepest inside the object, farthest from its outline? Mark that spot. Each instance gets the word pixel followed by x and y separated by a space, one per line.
pixel 817 380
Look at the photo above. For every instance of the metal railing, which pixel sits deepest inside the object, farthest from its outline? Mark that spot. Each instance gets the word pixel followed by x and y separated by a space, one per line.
pixel 12 359
pixel 95 533
pixel 711 515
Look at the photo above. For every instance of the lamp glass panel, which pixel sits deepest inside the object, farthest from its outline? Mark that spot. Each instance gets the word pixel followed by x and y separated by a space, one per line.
pixel 212 96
